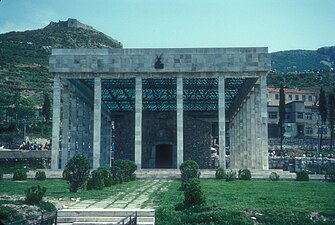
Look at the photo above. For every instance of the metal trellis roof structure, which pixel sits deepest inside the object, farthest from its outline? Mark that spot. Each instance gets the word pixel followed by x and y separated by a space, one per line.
pixel 200 94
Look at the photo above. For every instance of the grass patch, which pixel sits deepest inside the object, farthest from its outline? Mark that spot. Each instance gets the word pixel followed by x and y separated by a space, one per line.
pixel 264 202
pixel 58 188
pixel 237 202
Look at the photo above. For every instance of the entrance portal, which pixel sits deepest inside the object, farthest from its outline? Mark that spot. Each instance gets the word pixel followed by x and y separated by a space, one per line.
pixel 164 156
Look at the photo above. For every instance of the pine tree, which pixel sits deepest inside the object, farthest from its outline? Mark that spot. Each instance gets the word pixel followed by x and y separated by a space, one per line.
pixel 281 122
pixel 46 109
pixel 331 117
pixel 323 112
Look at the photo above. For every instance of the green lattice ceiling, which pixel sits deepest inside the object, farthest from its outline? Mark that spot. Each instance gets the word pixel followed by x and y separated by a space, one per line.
pixel 160 94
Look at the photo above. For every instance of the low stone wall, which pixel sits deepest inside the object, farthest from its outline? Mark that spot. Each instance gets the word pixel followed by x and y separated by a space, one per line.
pixel 297 164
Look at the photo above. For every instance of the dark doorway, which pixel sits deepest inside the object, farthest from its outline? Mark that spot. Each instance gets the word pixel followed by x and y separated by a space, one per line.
pixel 164 156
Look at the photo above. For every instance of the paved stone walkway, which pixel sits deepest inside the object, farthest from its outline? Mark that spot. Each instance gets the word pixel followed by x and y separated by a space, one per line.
pixel 138 198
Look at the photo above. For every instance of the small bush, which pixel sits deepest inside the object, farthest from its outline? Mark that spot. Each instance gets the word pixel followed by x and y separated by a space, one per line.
pixel 230 175
pixel 167 216
pixel 8 214
pixel 34 195
pixel 244 174
pixel 1 174
pixel 274 176
pixel 123 171
pixel 20 174
pixel 106 176
pixel 330 176
pixel 220 173
pixel 96 181
pixel 302 176
pixel 76 172
pixel 40 175
pixel 192 193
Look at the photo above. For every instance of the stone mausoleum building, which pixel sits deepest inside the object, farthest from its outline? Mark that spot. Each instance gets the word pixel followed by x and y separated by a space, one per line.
pixel 160 107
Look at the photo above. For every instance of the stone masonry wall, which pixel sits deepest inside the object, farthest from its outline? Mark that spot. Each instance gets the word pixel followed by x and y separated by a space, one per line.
pixel 124 133
pixel 297 164
pixel 160 128
pixel 197 141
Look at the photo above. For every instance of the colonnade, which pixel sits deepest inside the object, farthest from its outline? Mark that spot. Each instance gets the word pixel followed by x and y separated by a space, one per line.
pixel 86 130
pixel 248 131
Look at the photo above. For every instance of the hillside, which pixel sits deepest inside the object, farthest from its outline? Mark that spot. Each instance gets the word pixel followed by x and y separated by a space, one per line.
pixel 303 60
pixel 24 57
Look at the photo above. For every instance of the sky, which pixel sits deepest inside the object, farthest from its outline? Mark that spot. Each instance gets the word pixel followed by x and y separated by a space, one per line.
pixel 277 24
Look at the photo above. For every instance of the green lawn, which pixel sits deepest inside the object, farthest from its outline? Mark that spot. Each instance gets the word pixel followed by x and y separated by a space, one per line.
pixel 237 202
pixel 60 189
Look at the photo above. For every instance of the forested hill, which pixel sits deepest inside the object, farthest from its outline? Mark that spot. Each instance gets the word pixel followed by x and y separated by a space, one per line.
pixel 299 61
pixel 24 58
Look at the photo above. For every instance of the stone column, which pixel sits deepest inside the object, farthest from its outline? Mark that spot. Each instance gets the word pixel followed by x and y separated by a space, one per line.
pixel 138 121
pixel 109 143
pixel 264 123
pixel 80 125
pixel 248 133
pixel 97 123
pixel 73 133
pixel 91 136
pixel 103 159
pixel 222 123
pixel 180 121
pixel 87 130
pixel 244 135
pixel 65 127
pixel 231 142
pixel 258 128
pixel 253 130
pixel 55 123
pixel 240 137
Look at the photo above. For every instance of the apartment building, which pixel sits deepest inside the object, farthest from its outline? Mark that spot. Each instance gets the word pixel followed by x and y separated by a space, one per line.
pixel 302 118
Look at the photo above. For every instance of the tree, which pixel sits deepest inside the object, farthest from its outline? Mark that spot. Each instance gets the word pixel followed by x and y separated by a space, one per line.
pixel 331 117
pixel 46 109
pixel 281 122
pixel 323 112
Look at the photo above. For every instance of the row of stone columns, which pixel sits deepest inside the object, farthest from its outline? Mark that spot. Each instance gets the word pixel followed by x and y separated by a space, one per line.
pixel 248 131
pixel 82 126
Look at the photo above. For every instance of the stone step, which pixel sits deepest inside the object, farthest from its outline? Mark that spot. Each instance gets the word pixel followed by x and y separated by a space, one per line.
pixel 103 216
pixel 105 212
pixel 105 223
pixel 101 219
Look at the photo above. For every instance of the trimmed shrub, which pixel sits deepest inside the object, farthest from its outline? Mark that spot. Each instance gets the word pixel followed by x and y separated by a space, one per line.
pixel 77 172
pixel 192 193
pixel 220 173
pixel 1 174
pixel 244 174
pixel 330 176
pixel 117 175
pixel 189 169
pixel 96 181
pixel 40 175
pixel 274 176
pixel 106 176
pixel 123 171
pixel 302 176
pixel 34 195
pixel 20 174
pixel 230 175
